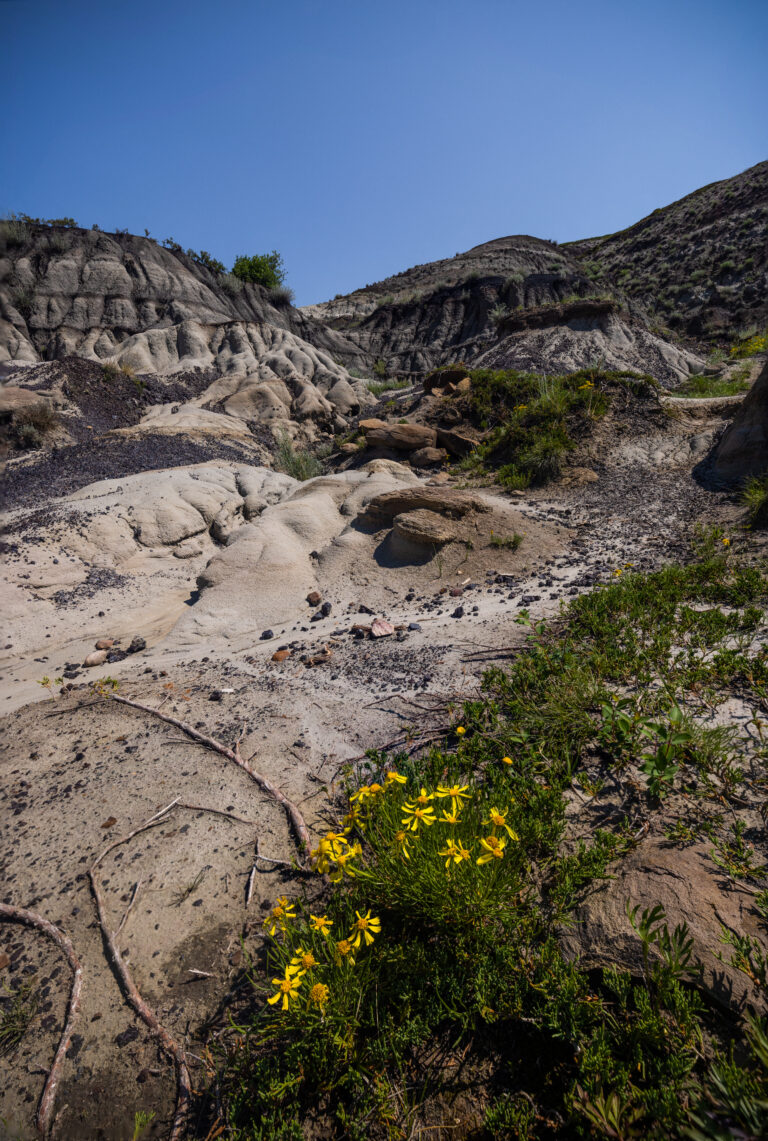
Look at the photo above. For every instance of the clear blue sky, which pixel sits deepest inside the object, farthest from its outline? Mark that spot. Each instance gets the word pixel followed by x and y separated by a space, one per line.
pixel 361 138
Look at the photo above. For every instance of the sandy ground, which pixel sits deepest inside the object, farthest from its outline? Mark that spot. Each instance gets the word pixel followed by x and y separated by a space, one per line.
pixel 78 771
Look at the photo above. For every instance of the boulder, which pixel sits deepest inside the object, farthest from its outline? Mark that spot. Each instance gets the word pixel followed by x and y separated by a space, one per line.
pixel 401 437
pixel 455 442
pixel 97 658
pixel 443 501
pixel 743 450
pixel 368 425
pixel 426 457
pixel 691 889
pixel 425 527
pixel 441 377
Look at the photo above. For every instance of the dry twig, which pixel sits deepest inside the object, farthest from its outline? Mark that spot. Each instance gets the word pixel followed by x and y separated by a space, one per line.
pixel 32 919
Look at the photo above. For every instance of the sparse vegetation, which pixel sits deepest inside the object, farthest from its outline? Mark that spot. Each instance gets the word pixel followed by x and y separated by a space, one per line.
pixel 505 542
pixel 281 296
pixel 376 387
pixel 755 498
pixel 749 345
pixel 297 463
pixel 434 945
pixel 702 386
pixel 32 424
pixel 18 1007
pixel 530 419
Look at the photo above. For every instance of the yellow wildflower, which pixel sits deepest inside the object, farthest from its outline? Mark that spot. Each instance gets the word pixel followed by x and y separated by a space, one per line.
pixel 499 820
pixel 279 915
pixel 352 819
pixel 342 868
pixel 506 760
pixel 344 951
pixel 287 988
pixel 493 848
pixel 392 777
pixel 457 793
pixel 401 838
pixel 416 815
pixel 319 994
pixel 617 572
pixel 726 542
pixel 303 960
pixel 449 817
pixel 460 730
pixel 321 923
pixel 337 842
pixel 455 851
pixel 365 927
pixel 588 384
pixel 424 797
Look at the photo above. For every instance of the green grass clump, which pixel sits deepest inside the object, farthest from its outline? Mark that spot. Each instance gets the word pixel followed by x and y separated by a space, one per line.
pixel 17 1010
pixel 296 462
pixel 376 387
pixel 532 420
pixel 702 386
pixel 755 499
pixel 424 981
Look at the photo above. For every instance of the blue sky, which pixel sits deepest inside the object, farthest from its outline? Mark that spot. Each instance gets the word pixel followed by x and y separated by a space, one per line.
pixel 359 139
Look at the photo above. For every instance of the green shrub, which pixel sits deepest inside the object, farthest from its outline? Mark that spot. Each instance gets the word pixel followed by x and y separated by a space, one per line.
pixel 294 462
pixel 376 387
pixel 31 424
pixel 701 386
pixel 260 269
pixel 231 284
pixel 23 300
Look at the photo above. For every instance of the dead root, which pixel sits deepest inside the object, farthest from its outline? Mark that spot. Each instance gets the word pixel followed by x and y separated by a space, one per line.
pixel 32 919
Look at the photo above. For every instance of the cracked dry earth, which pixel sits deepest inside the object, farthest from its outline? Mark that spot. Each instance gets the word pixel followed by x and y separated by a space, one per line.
pixel 79 771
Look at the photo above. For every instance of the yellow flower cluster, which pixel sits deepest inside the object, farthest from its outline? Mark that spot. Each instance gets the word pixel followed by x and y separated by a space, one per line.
pixel 420 812
pixel 303 962
pixel 587 384
pixel 334 853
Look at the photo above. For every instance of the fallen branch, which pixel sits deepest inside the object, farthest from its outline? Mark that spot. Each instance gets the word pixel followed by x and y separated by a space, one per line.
pixel 292 812
pixel 32 919
pixel 174 1051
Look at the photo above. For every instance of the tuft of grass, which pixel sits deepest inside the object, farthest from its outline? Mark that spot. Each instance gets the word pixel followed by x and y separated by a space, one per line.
pixel 376 387
pixel 297 463
pixel 32 424
pixel 702 386
pixel 755 499
pixel 281 296
pixel 17 1010
pixel 506 542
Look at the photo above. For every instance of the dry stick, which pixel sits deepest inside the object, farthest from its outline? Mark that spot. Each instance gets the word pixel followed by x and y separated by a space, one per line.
pixel 295 817
pixel 32 919
pixel 171 1047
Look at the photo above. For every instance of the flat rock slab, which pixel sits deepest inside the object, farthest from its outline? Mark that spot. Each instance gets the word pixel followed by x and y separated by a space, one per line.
pixel 425 527
pixel 445 501
pixel 402 437
pixel 692 890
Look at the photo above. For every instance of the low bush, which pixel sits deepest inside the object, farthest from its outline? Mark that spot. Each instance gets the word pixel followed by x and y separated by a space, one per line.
pixel 295 462
pixel 755 499
pixel 281 296
pixel 261 269
pixel 32 424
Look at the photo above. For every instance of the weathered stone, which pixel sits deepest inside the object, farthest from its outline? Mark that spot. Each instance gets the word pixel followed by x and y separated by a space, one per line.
pixel 464 387
pixel 579 476
pixel 402 437
pixel 445 501
pixel 688 886
pixel 743 450
pixel 370 424
pixel 426 457
pixel 425 527
pixel 105 643
pixel 452 374
pixel 314 598
pixel 97 658
pixel 281 655
pixel 455 442
pixel 380 628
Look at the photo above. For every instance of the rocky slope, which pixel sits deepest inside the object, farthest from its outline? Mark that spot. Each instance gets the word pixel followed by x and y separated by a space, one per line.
pixel 696 267
pixel 120 298
pixel 699 265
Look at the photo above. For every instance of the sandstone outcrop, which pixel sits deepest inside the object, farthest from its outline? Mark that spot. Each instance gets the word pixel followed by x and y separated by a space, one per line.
pixel 743 449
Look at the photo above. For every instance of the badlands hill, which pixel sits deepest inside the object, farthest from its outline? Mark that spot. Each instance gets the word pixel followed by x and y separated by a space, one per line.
pixel 647 298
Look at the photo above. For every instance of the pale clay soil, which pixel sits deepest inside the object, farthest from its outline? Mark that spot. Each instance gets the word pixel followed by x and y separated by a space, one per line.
pixel 77 771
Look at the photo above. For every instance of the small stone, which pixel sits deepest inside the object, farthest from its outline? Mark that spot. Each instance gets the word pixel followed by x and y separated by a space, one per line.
pixel 456 591
pixel 109 822
pixel 215 695
pixel 266 635
pixel 97 658
pixel 380 628
pixel 5 961
pixel 281 655
pixel 325 609
pixel 116 655
pixel 314 598
pixel 137 645
pixel 458 612
pixel 129 1035
pixel 105 643
pixel 414 626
